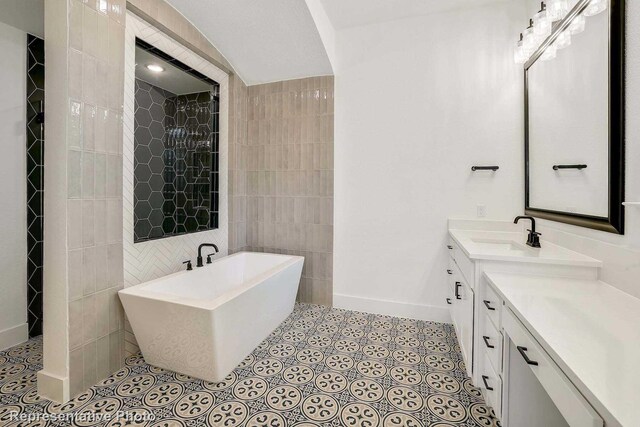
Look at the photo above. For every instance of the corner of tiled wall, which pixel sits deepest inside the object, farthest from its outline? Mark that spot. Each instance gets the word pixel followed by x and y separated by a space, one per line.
pixel 237 164
pixel 289 178
pixel 94 179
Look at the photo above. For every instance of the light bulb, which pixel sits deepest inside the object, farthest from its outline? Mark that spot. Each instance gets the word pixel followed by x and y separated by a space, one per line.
pixel 557 9
pixel 541 23
pixel 549 53
pixel 520 55
pixel 577 25
pixel 563 40
pixel 529 39
pixel 595 7
pixel 155 68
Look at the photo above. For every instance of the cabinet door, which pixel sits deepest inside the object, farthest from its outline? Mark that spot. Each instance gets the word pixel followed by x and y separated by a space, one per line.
pixel 463 312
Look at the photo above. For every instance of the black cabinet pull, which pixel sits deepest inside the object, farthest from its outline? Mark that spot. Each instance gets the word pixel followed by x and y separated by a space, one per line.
pixel 484 380
pixel 449 301
pixel 458 284
pixel 486 304
pixel 522 351
pixel 486 342
pixel 449 272
pixel 449 247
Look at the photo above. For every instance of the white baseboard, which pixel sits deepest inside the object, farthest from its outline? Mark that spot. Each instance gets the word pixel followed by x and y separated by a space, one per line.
pixel 14 336
pixel 392 308
pixel 53 387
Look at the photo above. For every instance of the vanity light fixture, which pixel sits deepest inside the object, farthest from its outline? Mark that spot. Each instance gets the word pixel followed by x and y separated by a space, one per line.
pixel 520 55
pixel 563 40
pixel 529 39
pixel 595 7
pixel 542 23
pixel 549 53
pixel 557 9
pixel 155 68
pixel 577 25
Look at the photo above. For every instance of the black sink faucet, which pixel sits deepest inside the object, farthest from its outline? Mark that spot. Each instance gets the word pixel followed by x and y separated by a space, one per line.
pixel 199 263
pixel 534 238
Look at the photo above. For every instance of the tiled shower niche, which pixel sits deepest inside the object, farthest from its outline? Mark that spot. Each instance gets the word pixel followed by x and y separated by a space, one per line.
pixel 176 151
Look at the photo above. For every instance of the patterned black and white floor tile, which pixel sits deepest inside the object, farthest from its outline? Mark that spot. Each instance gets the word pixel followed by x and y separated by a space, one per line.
pixel 321 367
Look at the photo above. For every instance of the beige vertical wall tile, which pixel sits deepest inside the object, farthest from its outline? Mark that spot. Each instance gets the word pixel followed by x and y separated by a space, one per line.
pixel 74 174
pixel 102 314
pixel 94 189
pixel 74 224
pixel 103 365
pixel 88 271
pixel 76 371
pixel 90 360
pixel 89 320
pixel 288 167
pixel 76 324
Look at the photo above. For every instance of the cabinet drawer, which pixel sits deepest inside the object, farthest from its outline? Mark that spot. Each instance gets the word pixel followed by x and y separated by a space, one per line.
pixel 467 267
pixel 492 305
pixel 452 248
pixel 574 408
pixel 491 385
pixel 491 343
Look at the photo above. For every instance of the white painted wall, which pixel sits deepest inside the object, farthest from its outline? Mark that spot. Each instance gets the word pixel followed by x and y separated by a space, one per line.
pixel 13 187
pixel 418 102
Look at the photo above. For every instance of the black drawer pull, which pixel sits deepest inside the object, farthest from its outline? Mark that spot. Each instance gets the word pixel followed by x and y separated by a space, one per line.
pixel 486 304
pixel 449 247
pixel 449 301
pixel 484 380
pixel 449 272
pixel 486 342
pixel 458 284
pixel 522 351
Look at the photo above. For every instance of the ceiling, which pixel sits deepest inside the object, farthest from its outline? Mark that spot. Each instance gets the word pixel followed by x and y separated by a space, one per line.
pixel 25 15
pixel 353 13
pixel 264 40
pixel 173 79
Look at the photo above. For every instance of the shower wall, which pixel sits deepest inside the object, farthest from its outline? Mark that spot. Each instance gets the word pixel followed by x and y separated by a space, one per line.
pixel 175 162
pixel 35 181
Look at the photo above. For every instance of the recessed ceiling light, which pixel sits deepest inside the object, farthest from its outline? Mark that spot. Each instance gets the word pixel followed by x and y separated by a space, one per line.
pixel 155 68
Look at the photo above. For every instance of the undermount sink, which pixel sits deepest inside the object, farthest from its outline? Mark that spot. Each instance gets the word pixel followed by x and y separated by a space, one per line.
pixel 499 244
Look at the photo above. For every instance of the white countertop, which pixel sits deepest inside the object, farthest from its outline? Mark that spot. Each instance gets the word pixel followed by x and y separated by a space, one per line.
pixel 476 244
pixel 590 329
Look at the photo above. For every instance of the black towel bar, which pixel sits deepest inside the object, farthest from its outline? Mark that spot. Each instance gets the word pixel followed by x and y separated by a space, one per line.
pixel 485 168
pixel 579 167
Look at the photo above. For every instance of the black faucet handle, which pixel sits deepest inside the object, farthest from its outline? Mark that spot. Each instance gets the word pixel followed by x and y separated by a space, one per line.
pixel 189 266
pixel 533 233
pixel 209 257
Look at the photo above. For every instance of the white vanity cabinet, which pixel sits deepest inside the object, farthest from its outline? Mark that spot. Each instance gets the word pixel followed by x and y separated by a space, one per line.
pixel 461 301
pixel 476 309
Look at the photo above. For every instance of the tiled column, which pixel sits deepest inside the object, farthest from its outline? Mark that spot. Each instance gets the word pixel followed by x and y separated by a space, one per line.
pixel 290 177
pixel 83 195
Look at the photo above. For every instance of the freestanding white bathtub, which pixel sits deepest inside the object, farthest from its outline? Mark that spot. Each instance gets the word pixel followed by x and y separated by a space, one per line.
pixel 204 322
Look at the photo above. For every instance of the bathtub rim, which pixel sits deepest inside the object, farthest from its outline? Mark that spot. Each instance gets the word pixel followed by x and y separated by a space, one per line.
pixel 140 291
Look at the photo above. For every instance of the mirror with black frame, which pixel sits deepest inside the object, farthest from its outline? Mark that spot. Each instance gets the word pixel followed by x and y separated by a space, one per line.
pixel 574 119
pixel 176 125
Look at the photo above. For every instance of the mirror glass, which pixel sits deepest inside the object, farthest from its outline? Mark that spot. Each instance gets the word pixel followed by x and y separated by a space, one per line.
pixel 573 122
pixel 176 152
pixel 569 124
